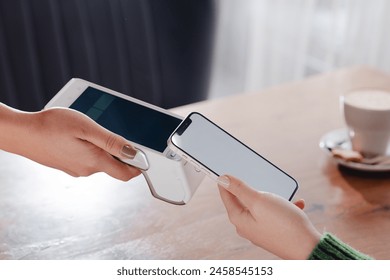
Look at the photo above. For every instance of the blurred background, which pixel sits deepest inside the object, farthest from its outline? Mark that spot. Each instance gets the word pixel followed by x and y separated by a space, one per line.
pixel 158 51
pixel 175 52
pixel 262 43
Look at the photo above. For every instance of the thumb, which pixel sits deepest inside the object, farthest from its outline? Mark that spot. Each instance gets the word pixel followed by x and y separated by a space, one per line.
pixel 117 146
pixel 110 142
pixel 239 189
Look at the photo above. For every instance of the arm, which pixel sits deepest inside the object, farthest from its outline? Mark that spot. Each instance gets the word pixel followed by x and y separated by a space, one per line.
pixel 278 225
pixel 66 140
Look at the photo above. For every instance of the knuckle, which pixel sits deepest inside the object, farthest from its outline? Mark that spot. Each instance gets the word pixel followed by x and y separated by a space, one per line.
pixel 239 231
pixel 111 141
pixel 81 172
pixel 134 173
pixel 87 172
pixel 71 173
pixel 126 177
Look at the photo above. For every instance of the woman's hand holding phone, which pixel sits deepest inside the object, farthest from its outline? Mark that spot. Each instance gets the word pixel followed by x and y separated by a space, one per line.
pixel 268 220
pixel 217 152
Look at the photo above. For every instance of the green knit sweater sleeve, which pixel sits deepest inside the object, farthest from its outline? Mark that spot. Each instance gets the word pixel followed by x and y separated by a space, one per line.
pixel 331 248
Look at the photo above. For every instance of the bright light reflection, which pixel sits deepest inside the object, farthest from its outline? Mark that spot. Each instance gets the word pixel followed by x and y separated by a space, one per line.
pixel 91 196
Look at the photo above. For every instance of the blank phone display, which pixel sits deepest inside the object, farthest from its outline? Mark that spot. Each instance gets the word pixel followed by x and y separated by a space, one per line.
pixel 221 153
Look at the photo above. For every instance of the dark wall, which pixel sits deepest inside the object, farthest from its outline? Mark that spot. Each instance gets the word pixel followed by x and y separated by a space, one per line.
pixel 156 50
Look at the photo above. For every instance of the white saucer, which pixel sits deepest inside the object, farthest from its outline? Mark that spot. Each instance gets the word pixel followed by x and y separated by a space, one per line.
pixel 339 139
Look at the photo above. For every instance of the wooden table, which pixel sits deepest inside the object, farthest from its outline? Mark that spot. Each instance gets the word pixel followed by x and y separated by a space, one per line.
pixel 45 214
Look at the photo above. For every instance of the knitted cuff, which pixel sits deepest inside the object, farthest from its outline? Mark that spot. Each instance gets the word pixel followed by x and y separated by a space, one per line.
pixel 331 248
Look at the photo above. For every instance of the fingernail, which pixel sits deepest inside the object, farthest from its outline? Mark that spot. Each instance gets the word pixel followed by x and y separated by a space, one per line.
pixel 128 152
pixel 224 181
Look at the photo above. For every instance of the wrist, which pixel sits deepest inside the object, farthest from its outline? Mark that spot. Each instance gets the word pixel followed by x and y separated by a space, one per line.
pixel 14 127
pixel 303 246
pixel 310 245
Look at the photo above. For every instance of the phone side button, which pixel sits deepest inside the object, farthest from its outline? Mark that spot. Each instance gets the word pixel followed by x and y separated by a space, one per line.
pixel 197 167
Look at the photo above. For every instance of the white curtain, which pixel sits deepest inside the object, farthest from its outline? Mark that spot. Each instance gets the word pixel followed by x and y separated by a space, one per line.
pixel 261 43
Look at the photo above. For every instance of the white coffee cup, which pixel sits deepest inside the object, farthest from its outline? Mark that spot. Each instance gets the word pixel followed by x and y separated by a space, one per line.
pixel 367 115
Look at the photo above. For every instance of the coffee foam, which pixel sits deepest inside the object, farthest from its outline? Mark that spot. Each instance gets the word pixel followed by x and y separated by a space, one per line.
pixel 369 99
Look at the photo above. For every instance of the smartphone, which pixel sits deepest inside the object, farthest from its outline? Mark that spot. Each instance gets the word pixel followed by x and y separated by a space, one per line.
pixel 216 152
pixel 146 126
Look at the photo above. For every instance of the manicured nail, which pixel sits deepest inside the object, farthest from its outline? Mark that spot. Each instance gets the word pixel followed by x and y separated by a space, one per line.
pixel 224 181
pixel 128 152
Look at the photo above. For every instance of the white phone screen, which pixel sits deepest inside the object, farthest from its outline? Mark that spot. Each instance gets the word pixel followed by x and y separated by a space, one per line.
pixel 221 153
